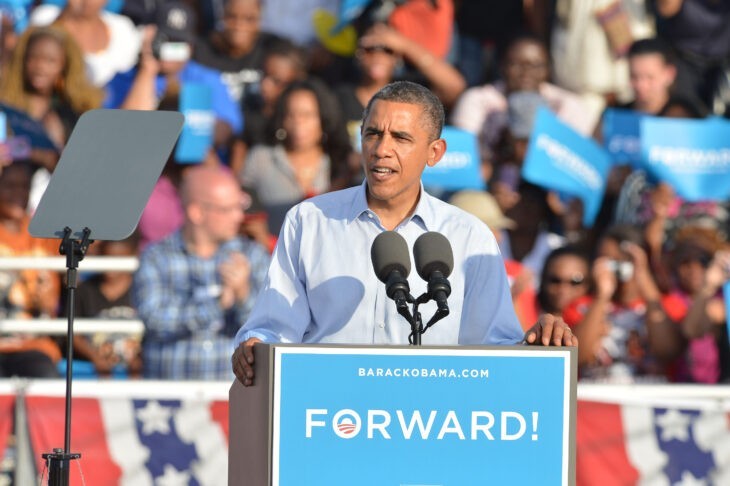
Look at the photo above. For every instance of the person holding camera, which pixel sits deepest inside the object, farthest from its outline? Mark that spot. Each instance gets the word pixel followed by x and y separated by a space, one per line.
pixel 165 67
pixel 624 330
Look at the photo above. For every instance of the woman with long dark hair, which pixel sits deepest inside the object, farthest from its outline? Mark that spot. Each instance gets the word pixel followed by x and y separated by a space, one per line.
pixel 306 152
pixel 46 78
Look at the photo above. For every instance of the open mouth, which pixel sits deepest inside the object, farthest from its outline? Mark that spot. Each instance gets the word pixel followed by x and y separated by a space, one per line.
pixel 381 173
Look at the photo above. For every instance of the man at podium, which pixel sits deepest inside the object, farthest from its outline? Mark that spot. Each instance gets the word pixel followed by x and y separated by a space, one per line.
pixel 321 284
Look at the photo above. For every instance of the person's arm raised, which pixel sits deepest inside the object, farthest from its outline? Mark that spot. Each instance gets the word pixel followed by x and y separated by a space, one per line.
pixel 142 94
pixel 445 80
pixel 665 338
pixel 592 326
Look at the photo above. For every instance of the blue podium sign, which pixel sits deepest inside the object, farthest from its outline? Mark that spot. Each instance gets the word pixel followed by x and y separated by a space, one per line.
pixel 422 416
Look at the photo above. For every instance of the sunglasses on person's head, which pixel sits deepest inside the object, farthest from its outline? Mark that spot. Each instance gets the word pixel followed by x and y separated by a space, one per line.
pixel 573 281
pixel 372 49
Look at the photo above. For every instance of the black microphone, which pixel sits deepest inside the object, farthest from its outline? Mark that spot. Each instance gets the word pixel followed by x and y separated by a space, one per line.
pixel 434 262
pixel 392 264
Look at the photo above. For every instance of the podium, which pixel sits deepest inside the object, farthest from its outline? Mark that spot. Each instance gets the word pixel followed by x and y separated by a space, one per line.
pixel 366 415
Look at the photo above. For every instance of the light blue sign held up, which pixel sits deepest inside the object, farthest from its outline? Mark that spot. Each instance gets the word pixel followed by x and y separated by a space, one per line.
pixel 622 135
pixel 460 166
pixel 196 103
pixel 693 156
pixel 560 159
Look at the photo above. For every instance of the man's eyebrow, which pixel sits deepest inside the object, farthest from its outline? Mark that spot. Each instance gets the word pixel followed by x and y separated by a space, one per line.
pixel 401 134
pixel 371 129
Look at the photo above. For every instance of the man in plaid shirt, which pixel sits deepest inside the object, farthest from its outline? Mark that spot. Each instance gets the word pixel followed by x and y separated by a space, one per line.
pixel 195 288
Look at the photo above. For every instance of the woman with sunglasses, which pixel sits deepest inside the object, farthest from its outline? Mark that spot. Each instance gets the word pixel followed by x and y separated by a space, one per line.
pixel 565 278
pixel 623 325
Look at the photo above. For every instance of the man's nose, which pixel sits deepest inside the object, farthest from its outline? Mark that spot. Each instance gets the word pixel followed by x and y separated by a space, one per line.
pixel 384 146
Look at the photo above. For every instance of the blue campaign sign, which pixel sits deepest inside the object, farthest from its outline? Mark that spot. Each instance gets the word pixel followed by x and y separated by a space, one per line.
pixel 349 11
pixel 622 135
pixel 560 159
pixel 196 138
pixel 22 125
pixel 460 166
pixel 693 156
pixel 416 416
pixel 19 12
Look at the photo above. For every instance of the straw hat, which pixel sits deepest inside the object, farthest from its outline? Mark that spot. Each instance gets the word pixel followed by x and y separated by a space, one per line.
pixel 482 205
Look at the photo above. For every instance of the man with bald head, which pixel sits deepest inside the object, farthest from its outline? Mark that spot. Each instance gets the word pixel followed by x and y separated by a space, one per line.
pixel 195 288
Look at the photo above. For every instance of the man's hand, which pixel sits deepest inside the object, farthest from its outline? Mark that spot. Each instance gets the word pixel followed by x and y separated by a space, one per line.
pixel 550 330
pixel 235 273
pixel 242 361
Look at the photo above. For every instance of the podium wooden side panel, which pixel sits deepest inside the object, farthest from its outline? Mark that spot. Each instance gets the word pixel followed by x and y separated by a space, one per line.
pixel 249 448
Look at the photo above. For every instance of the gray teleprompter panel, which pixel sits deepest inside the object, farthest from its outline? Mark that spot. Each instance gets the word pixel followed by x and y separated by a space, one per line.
pixel 106 173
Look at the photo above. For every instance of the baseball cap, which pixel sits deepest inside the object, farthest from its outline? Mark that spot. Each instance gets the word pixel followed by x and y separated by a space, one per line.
pixel 176 21
pixel 482 205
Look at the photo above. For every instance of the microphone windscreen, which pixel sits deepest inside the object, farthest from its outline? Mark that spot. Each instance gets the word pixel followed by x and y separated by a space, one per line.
pixel 432 252
pixel 390 252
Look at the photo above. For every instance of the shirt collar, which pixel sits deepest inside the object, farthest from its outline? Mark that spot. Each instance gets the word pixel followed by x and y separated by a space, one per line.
pixel 425 212
pixel 178 241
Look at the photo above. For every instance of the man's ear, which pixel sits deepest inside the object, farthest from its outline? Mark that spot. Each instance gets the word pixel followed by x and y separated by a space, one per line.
pixel 194 213
pixel 436 150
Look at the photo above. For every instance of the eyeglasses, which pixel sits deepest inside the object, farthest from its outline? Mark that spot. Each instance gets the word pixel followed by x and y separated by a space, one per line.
pixel 527 66
pixel 372 49
pixel 227 209
pixel 573 281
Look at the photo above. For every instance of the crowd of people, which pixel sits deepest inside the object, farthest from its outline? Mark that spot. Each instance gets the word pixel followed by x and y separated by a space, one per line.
pixel 641 288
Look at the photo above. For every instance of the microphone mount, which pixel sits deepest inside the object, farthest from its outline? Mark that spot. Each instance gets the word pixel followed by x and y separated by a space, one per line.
pixel 414 317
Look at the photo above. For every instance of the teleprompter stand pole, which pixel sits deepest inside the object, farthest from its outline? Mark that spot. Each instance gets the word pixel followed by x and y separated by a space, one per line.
pixel 59 461
pixel 116 156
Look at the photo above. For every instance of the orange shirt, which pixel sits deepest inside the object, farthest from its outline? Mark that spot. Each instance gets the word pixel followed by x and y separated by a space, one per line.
pixel 524 302
pixel 20 290
pixel 430 27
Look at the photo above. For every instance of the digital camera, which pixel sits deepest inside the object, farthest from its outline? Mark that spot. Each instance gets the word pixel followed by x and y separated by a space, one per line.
pixel 624 270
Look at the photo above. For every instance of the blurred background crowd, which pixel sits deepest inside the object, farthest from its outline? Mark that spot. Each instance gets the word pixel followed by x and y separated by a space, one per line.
pixel 642 286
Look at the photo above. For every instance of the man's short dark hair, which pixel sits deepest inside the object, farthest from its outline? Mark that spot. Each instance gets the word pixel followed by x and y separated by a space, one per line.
pixel 652 45
pixel 415 94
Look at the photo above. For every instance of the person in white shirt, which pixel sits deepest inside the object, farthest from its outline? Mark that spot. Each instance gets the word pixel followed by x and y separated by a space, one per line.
pixel 110 42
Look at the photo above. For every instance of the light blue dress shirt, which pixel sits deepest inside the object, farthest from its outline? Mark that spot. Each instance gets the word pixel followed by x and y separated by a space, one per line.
pixel 321 286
